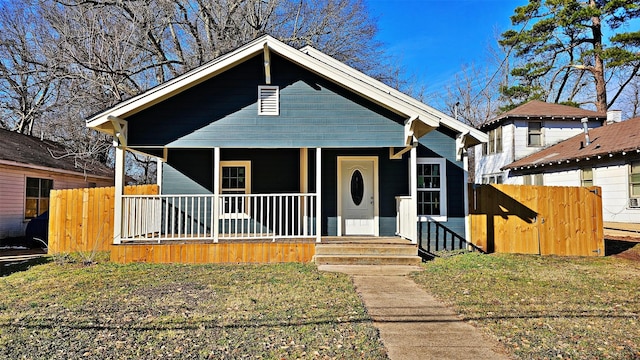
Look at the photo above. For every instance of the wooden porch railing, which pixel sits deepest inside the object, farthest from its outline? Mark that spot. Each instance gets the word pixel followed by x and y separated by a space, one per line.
pixel 211 217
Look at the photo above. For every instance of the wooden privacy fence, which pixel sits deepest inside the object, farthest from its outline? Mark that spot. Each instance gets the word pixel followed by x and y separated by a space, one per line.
pixel 82 219
pixel 544 220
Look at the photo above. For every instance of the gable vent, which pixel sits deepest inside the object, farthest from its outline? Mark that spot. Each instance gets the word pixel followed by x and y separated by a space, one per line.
pixel 268 100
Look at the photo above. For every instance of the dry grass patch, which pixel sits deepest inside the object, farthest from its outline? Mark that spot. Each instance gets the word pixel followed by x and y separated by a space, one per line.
pixel 545 307
pixel 144 311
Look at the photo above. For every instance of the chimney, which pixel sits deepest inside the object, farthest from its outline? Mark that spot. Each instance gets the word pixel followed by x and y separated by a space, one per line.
pixel 614 116
pixel 585 125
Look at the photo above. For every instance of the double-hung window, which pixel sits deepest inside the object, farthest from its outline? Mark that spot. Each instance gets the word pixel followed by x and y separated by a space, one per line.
pixel 586 177
pixel 37 197
pixel 634 182
pixel 494 145
pixel 432 188
pixel 534 133
pixel 235 181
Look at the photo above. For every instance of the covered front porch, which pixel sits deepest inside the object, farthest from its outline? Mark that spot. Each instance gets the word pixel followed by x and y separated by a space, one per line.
pixel 272 195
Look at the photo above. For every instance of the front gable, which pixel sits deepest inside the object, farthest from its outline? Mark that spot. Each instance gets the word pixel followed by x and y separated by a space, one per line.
pixel 223 111
pixel 325 104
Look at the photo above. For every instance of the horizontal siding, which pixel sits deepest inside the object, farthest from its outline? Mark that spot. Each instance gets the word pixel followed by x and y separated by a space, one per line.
pixel 12 194
pixel 313 113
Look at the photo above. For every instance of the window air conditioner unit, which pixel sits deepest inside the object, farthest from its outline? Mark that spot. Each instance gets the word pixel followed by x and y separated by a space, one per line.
pixel 634 203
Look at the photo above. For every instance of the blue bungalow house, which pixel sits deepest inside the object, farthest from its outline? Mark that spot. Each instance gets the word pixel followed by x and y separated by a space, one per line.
pixel 274 143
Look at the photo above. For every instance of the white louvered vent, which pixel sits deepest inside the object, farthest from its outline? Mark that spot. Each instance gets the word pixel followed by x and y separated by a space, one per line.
pixel 268 100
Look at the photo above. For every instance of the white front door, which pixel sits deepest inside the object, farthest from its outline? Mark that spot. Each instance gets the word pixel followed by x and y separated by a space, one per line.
pixel 358 195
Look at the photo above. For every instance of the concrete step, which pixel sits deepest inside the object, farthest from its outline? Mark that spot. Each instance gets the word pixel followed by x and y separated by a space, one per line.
pixel 367 259
pixel 366 249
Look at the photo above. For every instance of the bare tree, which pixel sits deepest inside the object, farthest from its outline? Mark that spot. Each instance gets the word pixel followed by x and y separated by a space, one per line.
pixel 63 60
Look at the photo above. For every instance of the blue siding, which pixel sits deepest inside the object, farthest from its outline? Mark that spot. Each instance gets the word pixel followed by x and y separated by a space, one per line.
pixel 223 112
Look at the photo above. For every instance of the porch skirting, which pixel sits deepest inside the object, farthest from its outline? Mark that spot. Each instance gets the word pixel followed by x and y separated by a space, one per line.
pixel 223 252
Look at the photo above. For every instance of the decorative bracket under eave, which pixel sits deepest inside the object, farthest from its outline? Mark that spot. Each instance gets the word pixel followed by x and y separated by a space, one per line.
pixel 415 128
pixel 119 131
pixel 463 142
pixel 267 65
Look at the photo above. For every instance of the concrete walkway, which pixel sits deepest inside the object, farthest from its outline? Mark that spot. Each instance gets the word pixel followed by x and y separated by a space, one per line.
pixel 412 323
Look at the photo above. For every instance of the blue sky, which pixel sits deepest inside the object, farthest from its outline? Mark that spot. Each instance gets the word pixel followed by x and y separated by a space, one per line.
pixel 432 39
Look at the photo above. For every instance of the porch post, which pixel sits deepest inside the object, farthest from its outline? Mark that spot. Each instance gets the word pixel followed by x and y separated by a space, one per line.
pixel 413 184
pixel 467 219
pixel 216 192
pixel 304 189
pixel 119 189
pixel 318 195
pixel 159 174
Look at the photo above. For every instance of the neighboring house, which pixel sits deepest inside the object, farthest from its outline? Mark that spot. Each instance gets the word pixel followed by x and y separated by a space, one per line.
pixel 29 169
pixel 523 131
pixel 608 156
pixel 272 142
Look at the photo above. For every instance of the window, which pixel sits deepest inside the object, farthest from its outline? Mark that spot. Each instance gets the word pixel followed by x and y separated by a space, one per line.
pixel 586 177
pixel 534 133
pixel 432 188
pixel 533 179
pixel 268 100
pixel 492 179
pixel 495 142
pixel 634 180
pixel 37 197
pixel 235 179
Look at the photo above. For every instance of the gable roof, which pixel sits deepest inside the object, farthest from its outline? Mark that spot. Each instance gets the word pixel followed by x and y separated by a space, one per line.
pixel 536 109
pixel 618 138
pixel 420 117
pixel 17 149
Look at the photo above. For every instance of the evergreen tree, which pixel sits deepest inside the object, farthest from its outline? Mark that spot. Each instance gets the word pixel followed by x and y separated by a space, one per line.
pixel 573 52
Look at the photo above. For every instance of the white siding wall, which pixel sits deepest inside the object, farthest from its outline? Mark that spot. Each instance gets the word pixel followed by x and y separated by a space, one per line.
pixel 614 180
pixel 12 194
pixel 553 131
pixel 491 163
pixel 514 145
pixel 562 178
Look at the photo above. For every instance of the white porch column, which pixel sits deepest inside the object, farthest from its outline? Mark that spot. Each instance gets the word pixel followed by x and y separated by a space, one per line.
pixel 467 219
pixel 216 193
pixel 318 195
pixel 413 189
pixel 119 189
pixel 159 163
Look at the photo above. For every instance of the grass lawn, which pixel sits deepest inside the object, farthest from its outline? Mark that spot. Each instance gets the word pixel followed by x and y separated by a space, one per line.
pixel 142 311
pixel 545 307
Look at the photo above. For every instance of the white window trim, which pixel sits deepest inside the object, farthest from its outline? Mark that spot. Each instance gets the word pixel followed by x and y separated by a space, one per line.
pixel 247 181
pixel 274 110
pixel 443 189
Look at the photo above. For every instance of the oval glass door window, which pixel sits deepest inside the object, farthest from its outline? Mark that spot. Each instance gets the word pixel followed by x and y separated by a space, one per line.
pixel 357 187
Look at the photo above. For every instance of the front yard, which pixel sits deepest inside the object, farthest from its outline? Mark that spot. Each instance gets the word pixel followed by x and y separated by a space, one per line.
pixel 537 307
pixel 546 307
pixel 138 311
